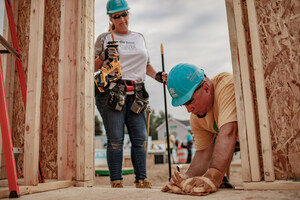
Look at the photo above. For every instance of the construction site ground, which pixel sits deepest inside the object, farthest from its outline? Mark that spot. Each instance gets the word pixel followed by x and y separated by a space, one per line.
pixel 159 176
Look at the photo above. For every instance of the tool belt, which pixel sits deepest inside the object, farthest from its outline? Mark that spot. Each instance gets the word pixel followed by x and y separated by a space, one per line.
pixel 141 98
pixel 116 97
pixel 118 93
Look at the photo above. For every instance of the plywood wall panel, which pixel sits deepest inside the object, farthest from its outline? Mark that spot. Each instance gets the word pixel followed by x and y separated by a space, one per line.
pixel 48 145
pixel 18 122
pixel 280 43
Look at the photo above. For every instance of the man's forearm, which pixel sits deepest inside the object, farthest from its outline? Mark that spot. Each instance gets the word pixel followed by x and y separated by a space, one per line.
pixel 224 147
pixel 200 162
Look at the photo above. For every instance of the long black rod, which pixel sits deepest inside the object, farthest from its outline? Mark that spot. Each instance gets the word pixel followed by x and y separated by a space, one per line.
pixel 9 47
pixel 166 112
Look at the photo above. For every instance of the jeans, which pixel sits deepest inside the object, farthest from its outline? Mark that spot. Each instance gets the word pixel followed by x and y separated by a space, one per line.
pixel 114 122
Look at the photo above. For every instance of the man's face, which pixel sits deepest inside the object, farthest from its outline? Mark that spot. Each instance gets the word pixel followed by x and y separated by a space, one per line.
pixel 201 101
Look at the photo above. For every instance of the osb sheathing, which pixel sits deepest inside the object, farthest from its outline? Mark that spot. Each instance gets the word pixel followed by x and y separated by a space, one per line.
pixel 48 145
pixel 18 122
pixel 279 29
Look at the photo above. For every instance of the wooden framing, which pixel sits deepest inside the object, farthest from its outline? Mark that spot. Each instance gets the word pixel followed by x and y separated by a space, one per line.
pixel 252 64
pixel 247 92
pixel 74 160
pixel 32 123
pixel 246 173
pixel 75 124
pixel 76 105
pixel 274 185
pixel 261 94
pixel 85 94
pixel 67 90
pixel 54 185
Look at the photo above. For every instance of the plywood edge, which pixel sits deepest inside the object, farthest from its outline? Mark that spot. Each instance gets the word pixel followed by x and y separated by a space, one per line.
pixel 89 183
pixel 275 185
pixel 246 172
pixel 43 187
pixel 263 115
pixel 247 92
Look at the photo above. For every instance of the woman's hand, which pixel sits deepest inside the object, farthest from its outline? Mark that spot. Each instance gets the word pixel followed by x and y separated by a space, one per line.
pixel 161 77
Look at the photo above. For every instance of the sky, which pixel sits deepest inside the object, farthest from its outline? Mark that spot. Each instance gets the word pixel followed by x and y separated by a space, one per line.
pixel 2 5
pixel 191 31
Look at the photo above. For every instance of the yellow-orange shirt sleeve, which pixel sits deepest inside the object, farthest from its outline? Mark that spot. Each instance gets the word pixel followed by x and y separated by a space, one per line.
pixel 226 102
pixel 203 138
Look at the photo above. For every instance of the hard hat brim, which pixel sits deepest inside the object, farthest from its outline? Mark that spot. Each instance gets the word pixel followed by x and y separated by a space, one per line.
pixel 117 10
pixel 180 101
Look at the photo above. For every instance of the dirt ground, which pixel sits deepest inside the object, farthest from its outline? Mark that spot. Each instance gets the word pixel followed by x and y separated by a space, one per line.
pixel 158 175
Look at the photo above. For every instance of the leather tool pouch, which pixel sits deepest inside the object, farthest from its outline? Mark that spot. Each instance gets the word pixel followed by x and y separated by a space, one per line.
pixel 116 98
pixel 141 99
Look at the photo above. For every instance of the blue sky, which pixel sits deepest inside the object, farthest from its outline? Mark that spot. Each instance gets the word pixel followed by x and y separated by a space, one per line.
pixel 192 31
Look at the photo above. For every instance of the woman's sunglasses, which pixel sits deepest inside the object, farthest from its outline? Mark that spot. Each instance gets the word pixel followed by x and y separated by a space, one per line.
pixel 124 14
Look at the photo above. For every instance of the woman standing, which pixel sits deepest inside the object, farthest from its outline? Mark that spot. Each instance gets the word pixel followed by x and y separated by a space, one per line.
pixel 123 101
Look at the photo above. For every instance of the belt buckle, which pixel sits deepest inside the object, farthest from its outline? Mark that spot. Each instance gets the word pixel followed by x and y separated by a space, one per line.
pixel 129 87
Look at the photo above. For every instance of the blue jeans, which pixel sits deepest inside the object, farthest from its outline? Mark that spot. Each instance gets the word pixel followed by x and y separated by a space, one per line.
pixel 114 122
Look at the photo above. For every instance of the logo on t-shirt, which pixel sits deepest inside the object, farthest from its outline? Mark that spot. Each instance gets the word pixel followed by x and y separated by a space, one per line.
pixel 126 45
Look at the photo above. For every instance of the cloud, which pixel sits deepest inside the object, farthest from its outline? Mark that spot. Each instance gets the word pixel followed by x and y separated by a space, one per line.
pixel 192 31
pixel 2 11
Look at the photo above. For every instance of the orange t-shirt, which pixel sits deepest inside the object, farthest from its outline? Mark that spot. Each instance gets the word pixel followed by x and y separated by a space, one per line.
pixel 222 112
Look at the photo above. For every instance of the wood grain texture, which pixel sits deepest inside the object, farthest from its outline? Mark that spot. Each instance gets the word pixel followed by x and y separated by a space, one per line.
pixel 245 59
pixel 34 90
pixel 280 45
pixel 18 122
pixel 48 146
pixel 262 111
pixel 246 172
pixel 67 90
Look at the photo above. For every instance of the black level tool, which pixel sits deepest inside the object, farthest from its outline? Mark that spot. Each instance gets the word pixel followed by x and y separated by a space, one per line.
pixel 166 112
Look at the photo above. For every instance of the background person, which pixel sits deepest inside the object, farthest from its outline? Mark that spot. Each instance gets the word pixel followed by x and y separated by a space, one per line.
pixel 189 144
pixel 211 103
pixel 135 64
pixel 172 145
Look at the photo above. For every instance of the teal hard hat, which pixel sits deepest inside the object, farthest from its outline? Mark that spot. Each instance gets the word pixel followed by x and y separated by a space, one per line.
pixel 114 6
pixel 183 79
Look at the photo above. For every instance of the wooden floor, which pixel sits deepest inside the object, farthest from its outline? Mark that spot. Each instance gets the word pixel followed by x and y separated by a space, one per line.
pixel 129 193
pixel 47 186
pixel 158 175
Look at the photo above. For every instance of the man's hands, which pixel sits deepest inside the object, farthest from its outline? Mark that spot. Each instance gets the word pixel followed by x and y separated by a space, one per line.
pixel 110 52
pixel 198 186
pixel 176 184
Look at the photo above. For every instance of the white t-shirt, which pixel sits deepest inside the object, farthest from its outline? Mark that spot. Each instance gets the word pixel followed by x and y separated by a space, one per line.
pixel 133 53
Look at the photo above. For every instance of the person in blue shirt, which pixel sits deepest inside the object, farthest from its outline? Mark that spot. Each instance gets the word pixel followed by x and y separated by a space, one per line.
pixel 189 145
